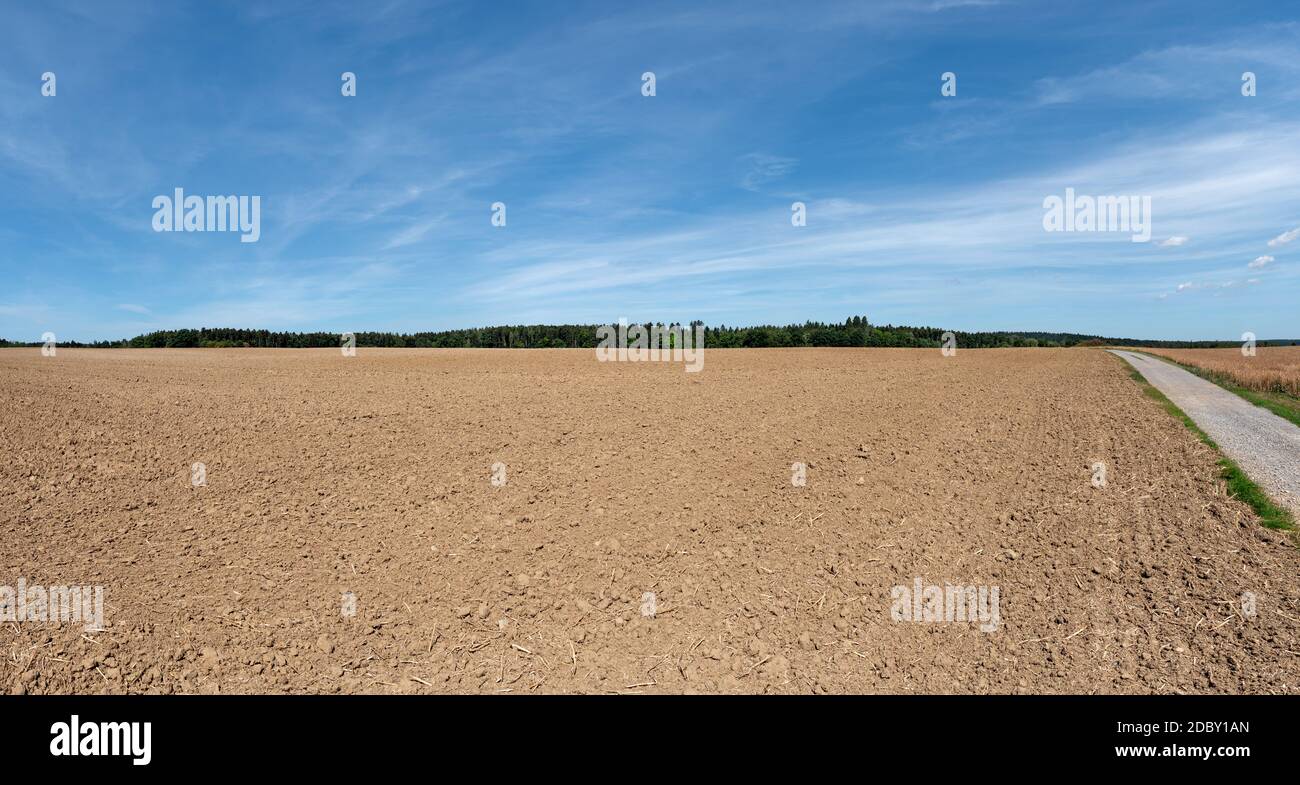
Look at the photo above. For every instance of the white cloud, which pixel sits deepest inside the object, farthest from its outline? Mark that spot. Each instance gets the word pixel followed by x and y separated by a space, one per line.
pixel 133 308
pixel 1176 72
pixel 1173 242
pixel 1260 261
pixel 1230 180
pixel 1284 238
pixel 1222 285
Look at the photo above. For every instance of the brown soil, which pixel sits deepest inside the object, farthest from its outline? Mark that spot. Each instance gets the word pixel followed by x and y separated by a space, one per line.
pixel 372 475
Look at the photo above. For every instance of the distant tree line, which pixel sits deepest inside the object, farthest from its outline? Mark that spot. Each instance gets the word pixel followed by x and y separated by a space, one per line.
pixel 854 331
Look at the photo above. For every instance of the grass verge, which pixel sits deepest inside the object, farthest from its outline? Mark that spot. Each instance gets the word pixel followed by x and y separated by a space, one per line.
pixel 1239 485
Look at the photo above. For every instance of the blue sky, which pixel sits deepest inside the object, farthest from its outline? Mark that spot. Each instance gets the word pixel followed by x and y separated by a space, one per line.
pixel 376 209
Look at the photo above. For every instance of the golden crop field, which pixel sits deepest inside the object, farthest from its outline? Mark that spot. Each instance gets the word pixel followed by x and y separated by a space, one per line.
pixel 1272 369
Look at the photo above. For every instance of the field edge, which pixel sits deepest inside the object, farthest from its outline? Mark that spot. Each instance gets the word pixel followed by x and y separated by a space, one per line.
pixel 1271 515
pixel 1283 408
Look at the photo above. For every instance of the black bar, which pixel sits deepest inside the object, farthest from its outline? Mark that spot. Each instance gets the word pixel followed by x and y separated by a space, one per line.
pixel 210 734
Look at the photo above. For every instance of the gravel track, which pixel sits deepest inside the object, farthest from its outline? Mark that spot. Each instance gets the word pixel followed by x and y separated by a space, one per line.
pixel 1266 446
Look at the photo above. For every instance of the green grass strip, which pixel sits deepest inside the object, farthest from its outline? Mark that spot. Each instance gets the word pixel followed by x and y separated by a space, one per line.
pixel 1239 485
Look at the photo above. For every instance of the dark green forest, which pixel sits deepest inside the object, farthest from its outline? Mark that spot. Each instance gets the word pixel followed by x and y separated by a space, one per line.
pixel 854 331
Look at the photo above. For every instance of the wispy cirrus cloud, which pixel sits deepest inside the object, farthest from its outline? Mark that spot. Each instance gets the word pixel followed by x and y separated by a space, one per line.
pixel 760 169
pixel 1186 71
pixel 376 209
